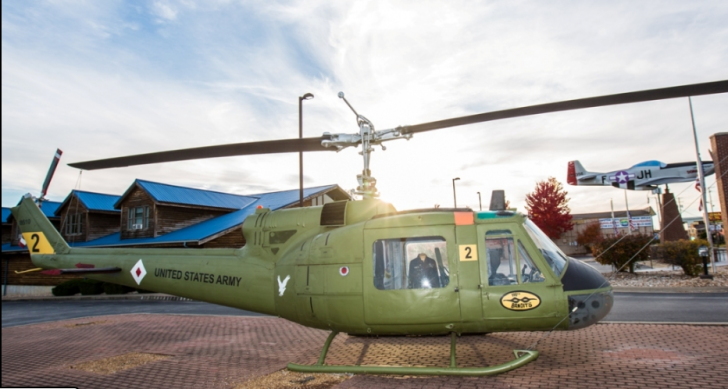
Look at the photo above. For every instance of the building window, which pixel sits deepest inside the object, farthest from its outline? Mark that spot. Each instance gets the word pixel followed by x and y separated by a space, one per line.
pixel 321 200
pixel 138 218
pixel 74 224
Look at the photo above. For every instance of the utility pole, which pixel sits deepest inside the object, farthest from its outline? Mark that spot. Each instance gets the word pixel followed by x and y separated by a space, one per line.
pixel 701 178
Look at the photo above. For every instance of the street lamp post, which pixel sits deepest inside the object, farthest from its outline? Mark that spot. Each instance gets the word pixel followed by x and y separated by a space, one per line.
pixel 480 202
pixel 454 197
pixel 307 96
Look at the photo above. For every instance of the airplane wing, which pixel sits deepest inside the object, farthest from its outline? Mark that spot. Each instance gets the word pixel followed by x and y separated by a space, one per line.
pixel 664 180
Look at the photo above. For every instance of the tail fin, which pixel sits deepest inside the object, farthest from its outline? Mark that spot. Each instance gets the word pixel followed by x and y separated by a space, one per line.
pixel 39 234
pixel 574 170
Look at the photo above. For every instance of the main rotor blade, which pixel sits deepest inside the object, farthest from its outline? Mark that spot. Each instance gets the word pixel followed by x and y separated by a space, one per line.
pixel 250 148
pixel 621 98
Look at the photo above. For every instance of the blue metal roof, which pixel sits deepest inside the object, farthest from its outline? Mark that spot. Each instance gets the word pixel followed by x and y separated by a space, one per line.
pixel 164 193
pixel 201 231
pixel 6 214
pixel 49 208
pixel 98 201
pixel 7 248
pixel 93 201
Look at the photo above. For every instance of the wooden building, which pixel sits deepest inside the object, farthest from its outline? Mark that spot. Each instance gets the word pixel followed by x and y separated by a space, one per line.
pixel 6 225
pixel 155 215
pixel 87 216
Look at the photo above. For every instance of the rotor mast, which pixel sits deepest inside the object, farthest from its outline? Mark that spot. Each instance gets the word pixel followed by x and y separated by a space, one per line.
pixel 368 137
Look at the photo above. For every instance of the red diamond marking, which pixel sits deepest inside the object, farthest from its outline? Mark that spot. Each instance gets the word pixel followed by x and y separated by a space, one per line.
pixel 138 272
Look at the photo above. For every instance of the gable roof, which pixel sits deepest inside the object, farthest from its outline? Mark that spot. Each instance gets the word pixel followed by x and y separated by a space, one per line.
pixel 6 214
pixel 93 201
pixel 49 208
pixel 172 194
pixel 201 232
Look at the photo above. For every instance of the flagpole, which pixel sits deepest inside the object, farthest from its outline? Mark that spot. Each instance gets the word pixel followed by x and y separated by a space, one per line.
pixel 614 225
pixel 701 177
pixel 629 217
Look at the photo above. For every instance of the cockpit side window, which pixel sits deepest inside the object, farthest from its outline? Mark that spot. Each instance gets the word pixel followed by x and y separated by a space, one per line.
pixel 501 256
pixel 529 271
pixel 411 263
pixel 553 255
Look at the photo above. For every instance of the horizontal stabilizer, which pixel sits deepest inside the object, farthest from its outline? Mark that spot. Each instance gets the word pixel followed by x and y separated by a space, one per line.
pixel 100 270
pixel 586 177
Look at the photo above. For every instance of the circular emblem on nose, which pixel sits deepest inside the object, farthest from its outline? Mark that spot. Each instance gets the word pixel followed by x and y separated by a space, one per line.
pixel 520 301
pixel 344 271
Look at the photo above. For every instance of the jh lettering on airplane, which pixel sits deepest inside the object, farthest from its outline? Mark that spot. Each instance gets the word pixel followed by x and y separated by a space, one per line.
pixel 644 174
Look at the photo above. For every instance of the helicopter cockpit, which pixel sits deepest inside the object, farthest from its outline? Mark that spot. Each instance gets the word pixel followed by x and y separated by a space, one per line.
pixel 551 253
pixel 501 256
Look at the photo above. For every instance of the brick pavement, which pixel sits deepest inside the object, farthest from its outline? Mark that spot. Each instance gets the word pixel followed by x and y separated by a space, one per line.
pixel 221 352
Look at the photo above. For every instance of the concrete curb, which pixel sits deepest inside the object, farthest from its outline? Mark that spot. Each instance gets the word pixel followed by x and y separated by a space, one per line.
pixel 144 296
pixel 667 323
pixel 698 289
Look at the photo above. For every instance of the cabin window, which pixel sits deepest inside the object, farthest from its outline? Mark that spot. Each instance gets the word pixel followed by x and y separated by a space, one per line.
pixel 529 271
pixel 138 218
pixel 551 253
pixel 74 224
pixel 411 263
pixel 501 255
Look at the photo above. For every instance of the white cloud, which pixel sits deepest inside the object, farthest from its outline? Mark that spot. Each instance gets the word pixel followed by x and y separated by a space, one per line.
pixel 164 10
pixel 100 81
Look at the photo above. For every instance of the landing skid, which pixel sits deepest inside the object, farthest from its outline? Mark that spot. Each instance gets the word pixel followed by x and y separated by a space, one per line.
pixel 522 357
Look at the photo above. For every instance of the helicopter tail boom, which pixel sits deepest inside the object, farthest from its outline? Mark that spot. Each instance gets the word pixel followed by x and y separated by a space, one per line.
pixel 37 232
pixel 219 276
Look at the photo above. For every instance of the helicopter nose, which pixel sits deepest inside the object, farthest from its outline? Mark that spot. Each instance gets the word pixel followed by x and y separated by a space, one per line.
pixel 589 293
pixel 588 309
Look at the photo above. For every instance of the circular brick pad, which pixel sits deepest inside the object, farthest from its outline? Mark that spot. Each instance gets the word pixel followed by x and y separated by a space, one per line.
pixel 225 352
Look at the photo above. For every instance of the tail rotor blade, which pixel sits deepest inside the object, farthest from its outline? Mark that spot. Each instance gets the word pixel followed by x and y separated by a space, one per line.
pixel 51 172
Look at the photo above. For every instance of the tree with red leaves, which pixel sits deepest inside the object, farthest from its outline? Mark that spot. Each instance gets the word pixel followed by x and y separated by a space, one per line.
pixel 548 208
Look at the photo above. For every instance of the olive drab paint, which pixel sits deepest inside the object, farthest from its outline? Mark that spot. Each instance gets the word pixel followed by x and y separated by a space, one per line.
pixel 348 271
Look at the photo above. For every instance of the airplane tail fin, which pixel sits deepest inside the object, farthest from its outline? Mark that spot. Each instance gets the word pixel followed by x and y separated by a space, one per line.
pixel 37 232
pixel 574 170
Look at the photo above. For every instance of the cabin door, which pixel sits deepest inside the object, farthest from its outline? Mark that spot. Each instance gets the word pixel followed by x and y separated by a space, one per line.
pixel 409 276
pixel 518 294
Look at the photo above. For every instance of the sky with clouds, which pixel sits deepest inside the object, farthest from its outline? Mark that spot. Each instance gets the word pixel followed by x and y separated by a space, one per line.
pixel 100 79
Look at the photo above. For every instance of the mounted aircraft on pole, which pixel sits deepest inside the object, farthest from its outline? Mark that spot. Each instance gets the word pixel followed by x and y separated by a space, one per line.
pixel 646 175
pixel 361 267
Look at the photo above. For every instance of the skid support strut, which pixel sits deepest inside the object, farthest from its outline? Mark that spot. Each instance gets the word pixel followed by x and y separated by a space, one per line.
pixel 522 357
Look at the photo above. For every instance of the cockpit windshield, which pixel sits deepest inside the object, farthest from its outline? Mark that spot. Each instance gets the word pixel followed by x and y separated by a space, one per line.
pixel 553 255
